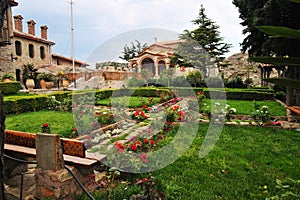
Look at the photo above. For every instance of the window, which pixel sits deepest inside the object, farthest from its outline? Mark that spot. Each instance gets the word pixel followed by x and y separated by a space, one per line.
pixel 31 50
pixel 18 47
pixel 42 52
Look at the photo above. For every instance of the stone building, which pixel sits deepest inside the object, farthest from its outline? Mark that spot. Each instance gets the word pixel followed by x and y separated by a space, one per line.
pixel 6 33
pixel 156 59
pixel 29 47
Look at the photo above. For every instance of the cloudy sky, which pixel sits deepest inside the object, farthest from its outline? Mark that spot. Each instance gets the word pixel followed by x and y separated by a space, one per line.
pixel 99 22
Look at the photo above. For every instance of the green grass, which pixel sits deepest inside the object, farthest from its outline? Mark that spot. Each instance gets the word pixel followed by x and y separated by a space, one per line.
pixel 246 107
pixel 131 102
pixel 244 164
pixel 243 161
pixel 59 122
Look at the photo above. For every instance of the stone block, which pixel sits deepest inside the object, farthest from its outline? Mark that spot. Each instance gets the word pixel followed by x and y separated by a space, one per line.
pixel 49 154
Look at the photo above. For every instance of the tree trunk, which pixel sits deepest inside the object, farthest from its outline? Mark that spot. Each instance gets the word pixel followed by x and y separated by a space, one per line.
pixel 2 137
pixel 3 7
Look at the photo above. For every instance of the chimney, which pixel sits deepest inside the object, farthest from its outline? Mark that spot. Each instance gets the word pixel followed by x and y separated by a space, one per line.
pixel 31 27
pixel 44 32
pixel 18 23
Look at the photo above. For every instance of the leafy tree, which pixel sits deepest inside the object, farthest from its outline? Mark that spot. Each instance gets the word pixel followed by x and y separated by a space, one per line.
pixel 195 78
pixel 130 52
pixel 272 13
pixel 168 74
pixel 201 44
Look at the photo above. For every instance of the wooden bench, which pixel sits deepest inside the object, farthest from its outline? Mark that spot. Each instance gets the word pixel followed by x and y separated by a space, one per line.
pixel 295 109
pixel 70 147
pixel 32 152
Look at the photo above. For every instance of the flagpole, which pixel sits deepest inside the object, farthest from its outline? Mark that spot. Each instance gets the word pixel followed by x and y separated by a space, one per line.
pixel 72 32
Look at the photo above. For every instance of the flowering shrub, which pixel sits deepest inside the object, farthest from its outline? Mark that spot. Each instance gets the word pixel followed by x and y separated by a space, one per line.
pixel 105 117
pixel 260 115
pixel 74 132
pixel 175 113
pixel 45 128
pixel 146 108
pixel 64 105
pixel 229 112
pixel 139 115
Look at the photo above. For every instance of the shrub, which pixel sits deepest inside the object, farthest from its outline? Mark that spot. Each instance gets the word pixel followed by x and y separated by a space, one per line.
pixel 180 81
pixel 214 82
pixel 280 96
pixel 8 76
pixel 195 78
pixel 23 104
pixel 236 82
pixel 9 88
pixel 135 82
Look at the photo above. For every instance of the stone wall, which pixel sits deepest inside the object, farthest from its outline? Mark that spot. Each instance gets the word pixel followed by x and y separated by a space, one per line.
pixel 6 65
pixel 24 58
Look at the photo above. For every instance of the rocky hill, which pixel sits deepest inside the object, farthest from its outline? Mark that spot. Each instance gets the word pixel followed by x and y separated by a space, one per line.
pixel 238 65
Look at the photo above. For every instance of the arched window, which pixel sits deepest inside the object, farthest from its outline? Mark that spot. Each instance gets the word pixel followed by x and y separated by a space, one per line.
pixel 148 64
pixel 31 50
pixel 42 52
pixel 18 47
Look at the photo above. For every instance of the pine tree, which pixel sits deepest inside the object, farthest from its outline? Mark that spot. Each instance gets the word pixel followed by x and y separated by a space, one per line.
pixel 201 44
pixel 130 52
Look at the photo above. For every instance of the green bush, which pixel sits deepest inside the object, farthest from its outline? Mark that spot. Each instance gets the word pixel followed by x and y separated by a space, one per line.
pixel 9 88
pixel 135 82
pixel 23 104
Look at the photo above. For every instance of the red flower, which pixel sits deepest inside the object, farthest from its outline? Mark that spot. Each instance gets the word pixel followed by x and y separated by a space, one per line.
pixel 75 129
pixel 176 107
pixel 143 115
pixel 152 142
pixel 138 143
pixel 133 147
pixel 136 113
pixel 200 93
pixel 111 115
pixel 146 141
pixel 144 106
pixel 45 125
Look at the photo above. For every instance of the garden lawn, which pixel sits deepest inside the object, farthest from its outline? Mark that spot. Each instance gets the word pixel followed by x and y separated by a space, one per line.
pixel 246 107
pixel 246 163
pixel 59 122
pixel 131 102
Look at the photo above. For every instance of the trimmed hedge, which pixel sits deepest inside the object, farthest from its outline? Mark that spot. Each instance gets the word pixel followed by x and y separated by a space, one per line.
pixel 231 94
pixel 20 104
pixel 9 88
pixel 23 104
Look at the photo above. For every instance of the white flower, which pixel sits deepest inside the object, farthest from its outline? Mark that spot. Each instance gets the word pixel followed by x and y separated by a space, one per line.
pixel 217 104
pixel 233 110
pixel 227 106
pixel 264 107
pixel 53 97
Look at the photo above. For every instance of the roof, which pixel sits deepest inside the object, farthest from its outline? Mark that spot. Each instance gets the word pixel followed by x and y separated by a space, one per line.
pixel 32 37
pixel 54 69
pixel 69 59
pixel 13 3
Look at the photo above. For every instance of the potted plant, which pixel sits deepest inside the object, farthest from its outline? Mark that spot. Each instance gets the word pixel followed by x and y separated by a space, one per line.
pixel 29 75
pixel 41 78
pixel 65 82
pixel 48 78
pixel 60 76
pixel 7 77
